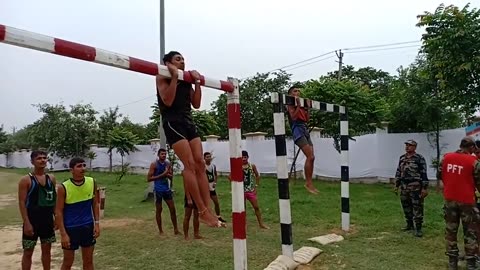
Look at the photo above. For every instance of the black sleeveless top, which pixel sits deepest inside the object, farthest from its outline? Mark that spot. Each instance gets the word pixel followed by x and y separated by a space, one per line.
pixel 181 108
pixel 41 199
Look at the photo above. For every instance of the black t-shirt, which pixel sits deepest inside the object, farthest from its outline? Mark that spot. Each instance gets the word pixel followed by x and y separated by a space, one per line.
pixel 181 108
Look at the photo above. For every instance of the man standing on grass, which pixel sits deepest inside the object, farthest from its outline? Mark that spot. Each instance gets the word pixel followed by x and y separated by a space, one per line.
pixel 77 214
pixel 159 172
pixel 36 200
pixel 477 199
pixel 411 178
pixel 189 208
pixel 460 173
pixel 250 186
pixel 212 176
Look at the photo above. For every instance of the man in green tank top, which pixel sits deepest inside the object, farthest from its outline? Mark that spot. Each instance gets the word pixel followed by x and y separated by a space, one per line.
pixel 37 196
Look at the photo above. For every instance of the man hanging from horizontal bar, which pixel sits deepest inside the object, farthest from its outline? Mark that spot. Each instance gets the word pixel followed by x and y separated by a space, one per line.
pixel 298 118
pixel 175 99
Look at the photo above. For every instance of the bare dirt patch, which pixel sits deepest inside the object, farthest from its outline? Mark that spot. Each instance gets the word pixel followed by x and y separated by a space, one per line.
pixel 11 250
pixel 6 200
pixel 353 230
pixel 121 222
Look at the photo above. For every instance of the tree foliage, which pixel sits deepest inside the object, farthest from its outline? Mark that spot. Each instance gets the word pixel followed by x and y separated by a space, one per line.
pixel 451 44
pixel 64 133
pixel 255 106
pixel 370 77
pixel 417 105
pixel 122 140
pixel 107 122
pixel 205 122
pixel 143 133
pixel 364 105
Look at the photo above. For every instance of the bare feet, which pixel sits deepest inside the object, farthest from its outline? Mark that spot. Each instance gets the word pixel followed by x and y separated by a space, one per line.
pixel 263 226
pixel 198 236
pixel 177 232
pixel 161 233
pixel 311 189
pixel 187 238
pixel 209 219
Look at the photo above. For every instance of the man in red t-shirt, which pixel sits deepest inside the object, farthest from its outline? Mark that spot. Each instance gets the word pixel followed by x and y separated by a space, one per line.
pixel 298 118
pixel 460 173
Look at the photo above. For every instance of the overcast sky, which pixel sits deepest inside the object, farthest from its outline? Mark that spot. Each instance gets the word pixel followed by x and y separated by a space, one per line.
pixel 219 38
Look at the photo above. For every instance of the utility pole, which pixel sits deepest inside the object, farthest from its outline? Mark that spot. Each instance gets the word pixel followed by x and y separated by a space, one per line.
pixel 161 132
pixel 340 63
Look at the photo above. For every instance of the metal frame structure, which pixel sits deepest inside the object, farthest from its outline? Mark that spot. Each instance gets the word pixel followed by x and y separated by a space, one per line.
pixel 279 102
pixel 38 42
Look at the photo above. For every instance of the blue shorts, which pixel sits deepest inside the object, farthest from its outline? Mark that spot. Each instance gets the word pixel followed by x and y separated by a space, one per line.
pixel 81 236
pixel 165 195
pixel 301 136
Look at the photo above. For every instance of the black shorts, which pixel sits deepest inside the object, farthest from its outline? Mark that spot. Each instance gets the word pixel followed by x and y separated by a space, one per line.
pixel 193 205
pixel 165 195
pixel 304 140
pixel 43 228
pixel 179 130
pixel 81 236
pixel 213 193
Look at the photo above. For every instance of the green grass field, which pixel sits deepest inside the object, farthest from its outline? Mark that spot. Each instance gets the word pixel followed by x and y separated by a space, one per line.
pixel 130 240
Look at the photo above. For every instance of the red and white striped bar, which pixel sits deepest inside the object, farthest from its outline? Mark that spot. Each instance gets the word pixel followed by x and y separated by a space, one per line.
pixel 22 38
pixel 30 40
pixel 239 219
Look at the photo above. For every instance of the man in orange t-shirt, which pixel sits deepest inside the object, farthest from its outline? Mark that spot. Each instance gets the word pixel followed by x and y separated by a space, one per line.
pixel 460 173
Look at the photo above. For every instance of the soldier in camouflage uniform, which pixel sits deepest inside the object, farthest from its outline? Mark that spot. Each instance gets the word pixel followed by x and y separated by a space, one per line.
pixel 411 178
pixel 460 173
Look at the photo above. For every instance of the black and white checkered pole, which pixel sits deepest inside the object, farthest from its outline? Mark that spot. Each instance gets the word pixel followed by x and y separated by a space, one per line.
pixel 279 101
pixel 282 174
pixel 344 170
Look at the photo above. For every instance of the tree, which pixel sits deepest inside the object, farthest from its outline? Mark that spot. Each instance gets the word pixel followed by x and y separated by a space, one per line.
pixel 378 80
pixel 123 141
pixel 255 106
pixel 64 133
pixel 451 44
pixel 139 130
pixel 107 122
pixel 416 104
pixel 91 156
pixel 205 122
pixel 364 106
pixel 21 139
pixel 7 146
pixel 3 135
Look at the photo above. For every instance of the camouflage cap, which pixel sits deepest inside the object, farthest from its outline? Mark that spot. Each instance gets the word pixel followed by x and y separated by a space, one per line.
pixel 411 142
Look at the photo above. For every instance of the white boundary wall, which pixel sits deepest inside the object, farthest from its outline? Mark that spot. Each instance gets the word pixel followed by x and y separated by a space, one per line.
pixel 371 155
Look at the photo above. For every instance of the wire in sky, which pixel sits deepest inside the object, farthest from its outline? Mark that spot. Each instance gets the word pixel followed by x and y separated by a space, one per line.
pixel 307 64
pixel 382 45
pixel 130 103
pixel 346 49
pixel 306 60
pixel 384 49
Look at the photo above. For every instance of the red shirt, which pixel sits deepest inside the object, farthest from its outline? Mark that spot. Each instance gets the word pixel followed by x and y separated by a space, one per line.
pixel 457 175
pixel 302 114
